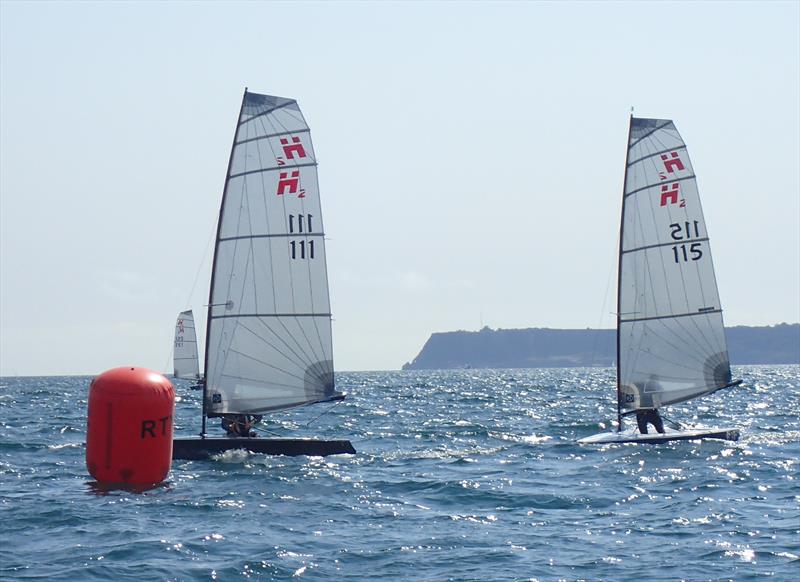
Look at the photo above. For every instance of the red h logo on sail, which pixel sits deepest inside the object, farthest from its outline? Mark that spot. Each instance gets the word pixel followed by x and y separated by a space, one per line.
pixel 288 183
pixel 672 162
pixel 669 193
pixel 295 148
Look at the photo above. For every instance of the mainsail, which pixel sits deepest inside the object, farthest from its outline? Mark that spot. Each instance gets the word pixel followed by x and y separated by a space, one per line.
pixel 269 344
pixel 671 341
pixel 186 363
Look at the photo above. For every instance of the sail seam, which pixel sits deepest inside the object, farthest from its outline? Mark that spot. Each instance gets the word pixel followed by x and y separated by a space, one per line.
pixel 645 136
pixel 666 244
pixel 632 192
pixel 658 153
pixel 263 113
pixel 287 132
pixel 271 169
pixel 705 311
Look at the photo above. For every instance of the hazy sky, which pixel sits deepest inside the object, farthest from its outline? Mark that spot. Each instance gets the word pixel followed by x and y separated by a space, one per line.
pixel 470 161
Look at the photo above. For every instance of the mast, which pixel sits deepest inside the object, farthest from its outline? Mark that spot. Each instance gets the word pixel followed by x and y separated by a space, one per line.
pixel 214 263
pixel 619 269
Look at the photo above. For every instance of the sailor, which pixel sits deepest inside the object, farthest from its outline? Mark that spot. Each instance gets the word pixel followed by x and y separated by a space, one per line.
pixel 647 416
pixel 239 425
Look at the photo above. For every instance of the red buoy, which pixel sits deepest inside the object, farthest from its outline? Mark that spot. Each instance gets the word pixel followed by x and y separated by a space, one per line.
pixel 129 427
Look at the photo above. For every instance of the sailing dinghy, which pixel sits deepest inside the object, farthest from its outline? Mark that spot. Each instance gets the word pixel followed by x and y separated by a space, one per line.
pixel 186 364
pixel 268 334
pixel 670 338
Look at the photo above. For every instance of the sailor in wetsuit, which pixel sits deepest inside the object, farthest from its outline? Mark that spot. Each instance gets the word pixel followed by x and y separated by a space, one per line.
pixel 240 425
pixel 647 416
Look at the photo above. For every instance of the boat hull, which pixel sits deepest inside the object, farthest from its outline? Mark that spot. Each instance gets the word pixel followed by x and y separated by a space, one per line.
pixel 654 438
pixel 203 448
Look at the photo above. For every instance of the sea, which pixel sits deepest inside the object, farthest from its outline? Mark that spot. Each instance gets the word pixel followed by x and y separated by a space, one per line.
pixel 459 475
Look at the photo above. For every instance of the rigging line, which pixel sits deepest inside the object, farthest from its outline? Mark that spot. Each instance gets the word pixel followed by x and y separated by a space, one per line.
pixel 687 335
pixel 267 364
pixel 273 122
pixel 311 296
pixel 677 347
pixel 266 213
pixel 276 122
pixel 337 403
pixel 222 353
pixel 605 302
pixel 323 266
pixel 256 381
pixel 695 322
pixel 713 346
pixel 329 336
pixel 264 201
pixel 293 336
pixel 663 265
pixel 302 358
pixel 674 364
pixel 266 430
pixel 299 363
pixel 202 262
pixel 698 277
pixel 310 345
pixel 309 270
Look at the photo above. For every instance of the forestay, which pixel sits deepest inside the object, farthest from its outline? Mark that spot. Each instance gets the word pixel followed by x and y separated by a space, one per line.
pixel 269 344
pixel 185 360
pixel 671 338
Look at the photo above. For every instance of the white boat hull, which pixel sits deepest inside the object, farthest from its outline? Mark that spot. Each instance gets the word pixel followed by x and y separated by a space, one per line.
pixel 653 438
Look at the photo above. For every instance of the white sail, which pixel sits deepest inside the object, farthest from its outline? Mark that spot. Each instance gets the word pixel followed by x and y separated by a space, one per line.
pixel 269 343
pixel 670 333
pixel 186 363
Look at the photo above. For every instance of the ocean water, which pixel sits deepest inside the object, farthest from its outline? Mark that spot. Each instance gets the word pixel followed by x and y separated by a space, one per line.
pixel 460 475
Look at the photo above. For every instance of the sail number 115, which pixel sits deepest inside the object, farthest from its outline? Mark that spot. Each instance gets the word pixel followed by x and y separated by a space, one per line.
pixel 685 253
pixel 683 231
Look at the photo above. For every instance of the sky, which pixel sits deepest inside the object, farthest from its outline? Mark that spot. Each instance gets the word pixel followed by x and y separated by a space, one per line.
pixel 470 161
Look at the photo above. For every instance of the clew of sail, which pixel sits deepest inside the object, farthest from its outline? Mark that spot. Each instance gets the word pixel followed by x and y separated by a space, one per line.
pixel 671 338
pixel 185 360
pixel 269 343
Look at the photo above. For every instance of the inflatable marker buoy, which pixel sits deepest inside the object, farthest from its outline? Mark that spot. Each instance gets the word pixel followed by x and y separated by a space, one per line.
pixel 129 427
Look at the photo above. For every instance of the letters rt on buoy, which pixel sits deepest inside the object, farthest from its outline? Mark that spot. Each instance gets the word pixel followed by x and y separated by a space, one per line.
pixel 129 427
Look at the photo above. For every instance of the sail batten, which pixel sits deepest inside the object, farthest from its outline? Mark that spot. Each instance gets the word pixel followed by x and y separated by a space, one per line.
pixel 674 348
pixel 659 183
pixel 269 324
pixel 700 311
pixel 654 154
pixel 268 169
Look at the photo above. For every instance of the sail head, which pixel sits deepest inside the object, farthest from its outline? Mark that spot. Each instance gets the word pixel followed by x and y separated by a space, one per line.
pixel 269 343
pixel 671 337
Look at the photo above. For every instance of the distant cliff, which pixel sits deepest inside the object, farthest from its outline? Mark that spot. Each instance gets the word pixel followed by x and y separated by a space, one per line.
pixel 559 348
